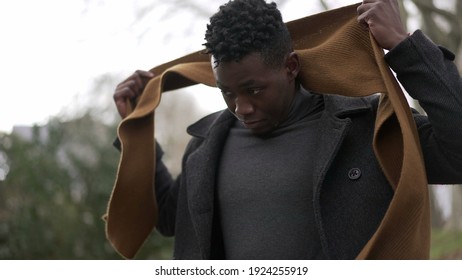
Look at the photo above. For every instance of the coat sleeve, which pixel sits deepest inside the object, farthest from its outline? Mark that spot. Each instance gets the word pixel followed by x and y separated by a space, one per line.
pixel 428 74
pixel 166 189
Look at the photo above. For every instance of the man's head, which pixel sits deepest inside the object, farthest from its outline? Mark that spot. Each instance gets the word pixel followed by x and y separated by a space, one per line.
pixel 241 27
pixel 253 63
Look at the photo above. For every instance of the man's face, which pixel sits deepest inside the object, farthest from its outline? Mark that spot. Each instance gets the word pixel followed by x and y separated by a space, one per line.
pixel 257 94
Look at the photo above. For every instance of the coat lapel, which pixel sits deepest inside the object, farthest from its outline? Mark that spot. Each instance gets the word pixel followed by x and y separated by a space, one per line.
pixel 332 132
pixel 333 128
pixel 201 169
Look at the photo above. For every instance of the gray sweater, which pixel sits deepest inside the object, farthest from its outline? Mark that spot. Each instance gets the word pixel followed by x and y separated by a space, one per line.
pixel 259 176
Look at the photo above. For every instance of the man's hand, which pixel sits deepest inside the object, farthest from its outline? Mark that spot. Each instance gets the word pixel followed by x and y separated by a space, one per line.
pixel 130 89
pixel 383 19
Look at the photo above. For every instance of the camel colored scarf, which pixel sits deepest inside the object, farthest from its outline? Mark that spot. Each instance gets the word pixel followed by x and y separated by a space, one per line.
pixel 338 57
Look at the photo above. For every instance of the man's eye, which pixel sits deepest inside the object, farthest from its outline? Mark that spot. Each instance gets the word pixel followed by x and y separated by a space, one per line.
pixel 226 93
pixel 255 91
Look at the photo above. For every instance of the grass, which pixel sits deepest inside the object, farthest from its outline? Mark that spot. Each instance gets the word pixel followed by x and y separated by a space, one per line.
pixel 446 245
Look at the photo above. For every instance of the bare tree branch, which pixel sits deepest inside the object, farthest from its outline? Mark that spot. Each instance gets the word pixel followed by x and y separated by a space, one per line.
pixel 452 39
pixel 324 4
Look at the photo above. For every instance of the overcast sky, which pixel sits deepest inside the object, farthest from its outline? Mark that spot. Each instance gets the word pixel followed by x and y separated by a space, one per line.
pixel 51 50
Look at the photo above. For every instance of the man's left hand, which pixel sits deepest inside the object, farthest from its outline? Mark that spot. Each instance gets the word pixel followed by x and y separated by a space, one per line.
pixel 382 18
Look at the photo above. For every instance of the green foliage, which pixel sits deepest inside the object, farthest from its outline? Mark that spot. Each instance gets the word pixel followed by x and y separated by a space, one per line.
pixel 446 244
pixel 56 191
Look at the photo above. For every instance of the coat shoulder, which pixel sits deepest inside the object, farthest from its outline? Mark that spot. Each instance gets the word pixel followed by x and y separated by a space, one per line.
pixel 343 106
pixel 201 127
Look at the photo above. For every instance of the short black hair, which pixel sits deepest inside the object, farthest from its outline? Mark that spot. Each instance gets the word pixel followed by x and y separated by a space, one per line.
pixel 241 27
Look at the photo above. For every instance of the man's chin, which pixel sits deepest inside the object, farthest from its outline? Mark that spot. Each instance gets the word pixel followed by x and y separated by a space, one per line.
pixel 262 131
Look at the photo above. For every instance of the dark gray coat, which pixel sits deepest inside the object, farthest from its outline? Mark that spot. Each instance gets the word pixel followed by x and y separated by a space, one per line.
pixel 351 193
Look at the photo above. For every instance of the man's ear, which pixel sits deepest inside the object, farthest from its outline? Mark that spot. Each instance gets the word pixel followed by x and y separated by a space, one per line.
pixel 293 65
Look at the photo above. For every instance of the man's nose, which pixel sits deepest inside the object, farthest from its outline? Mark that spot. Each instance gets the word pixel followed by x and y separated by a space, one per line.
pixel 243 106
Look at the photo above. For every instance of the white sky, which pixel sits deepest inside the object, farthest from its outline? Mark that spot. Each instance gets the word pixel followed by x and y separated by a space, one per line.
pixel 51 50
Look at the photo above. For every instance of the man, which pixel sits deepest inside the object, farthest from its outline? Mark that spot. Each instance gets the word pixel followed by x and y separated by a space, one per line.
pixel 257 163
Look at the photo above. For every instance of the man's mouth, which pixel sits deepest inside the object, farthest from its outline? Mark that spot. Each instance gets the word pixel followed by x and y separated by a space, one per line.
pixel 252 124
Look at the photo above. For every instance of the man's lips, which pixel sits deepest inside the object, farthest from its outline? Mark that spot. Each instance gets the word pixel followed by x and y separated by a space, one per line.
pixel 252 123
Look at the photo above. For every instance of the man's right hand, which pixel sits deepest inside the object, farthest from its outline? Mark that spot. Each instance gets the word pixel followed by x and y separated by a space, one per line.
pixel 128 90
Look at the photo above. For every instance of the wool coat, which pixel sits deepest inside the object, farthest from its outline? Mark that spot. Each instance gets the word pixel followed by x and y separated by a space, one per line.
pixel 340 57
pixel 351 193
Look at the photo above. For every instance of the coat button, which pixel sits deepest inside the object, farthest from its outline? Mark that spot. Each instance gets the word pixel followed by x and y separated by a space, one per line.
pixel 354 173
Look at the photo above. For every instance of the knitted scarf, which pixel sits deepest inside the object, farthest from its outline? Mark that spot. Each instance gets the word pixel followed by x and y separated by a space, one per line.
pixel 338 57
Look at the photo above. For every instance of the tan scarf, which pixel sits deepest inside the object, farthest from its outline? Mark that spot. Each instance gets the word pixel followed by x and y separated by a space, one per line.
pixel 337 56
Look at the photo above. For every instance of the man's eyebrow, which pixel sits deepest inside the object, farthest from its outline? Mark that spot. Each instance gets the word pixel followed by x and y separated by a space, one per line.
pixel 247 83
pixel 243 84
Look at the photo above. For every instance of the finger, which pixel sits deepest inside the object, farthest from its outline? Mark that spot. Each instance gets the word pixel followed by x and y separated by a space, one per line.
pixel 121 108
pixel 365 13
pixel 145 74
pixel 363 20
pixel 133 86
pixel 143 78
pixel 138 81
pixel 134 82
pixel 364 8
pixel 125 92
pixel 130 89
pixel 140 77
pixel 121 99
